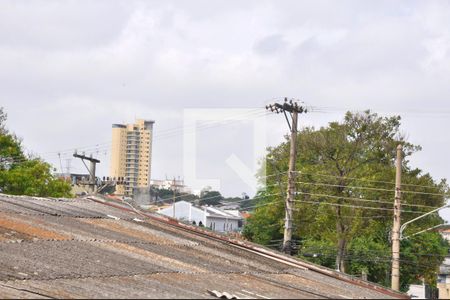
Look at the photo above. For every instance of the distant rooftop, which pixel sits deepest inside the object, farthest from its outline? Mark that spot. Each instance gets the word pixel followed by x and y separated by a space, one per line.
pixel 137 120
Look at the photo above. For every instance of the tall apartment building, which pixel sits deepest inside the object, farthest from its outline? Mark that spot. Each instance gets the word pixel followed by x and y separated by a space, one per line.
pixel 131 155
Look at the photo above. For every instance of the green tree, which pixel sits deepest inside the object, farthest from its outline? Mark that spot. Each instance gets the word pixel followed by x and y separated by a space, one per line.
pixel 21 175
pixel 3 117
pixel 210 198
pixel 265 224
pixel 160 195
pixel 345 191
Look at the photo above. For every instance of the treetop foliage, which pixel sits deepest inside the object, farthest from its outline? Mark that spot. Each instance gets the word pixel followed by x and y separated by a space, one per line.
pixel 23 175
pixel 344 202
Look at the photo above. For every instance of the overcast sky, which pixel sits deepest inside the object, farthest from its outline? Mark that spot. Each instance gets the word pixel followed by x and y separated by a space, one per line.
pixel 69 69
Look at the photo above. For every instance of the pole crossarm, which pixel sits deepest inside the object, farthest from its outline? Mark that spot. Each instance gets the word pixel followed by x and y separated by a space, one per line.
pixel 89 158
pixel 91 170
pixel 289 106
pixel 402 228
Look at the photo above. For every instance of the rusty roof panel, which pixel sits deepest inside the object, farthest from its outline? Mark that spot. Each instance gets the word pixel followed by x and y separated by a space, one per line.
pixel 63 207
pixel 13 228
pixel 79 248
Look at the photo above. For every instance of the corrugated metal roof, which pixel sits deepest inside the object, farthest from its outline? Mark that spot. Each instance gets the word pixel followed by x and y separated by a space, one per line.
pixel 219 213
pixel 84 248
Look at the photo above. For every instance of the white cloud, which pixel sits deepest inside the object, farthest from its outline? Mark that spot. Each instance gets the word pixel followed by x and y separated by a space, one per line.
pixel 70 69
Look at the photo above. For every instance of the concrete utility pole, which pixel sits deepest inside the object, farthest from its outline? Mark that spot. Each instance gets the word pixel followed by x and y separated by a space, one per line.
pixel 293 109
pixel 174 189
pixel 91 170
pixel 68 161
pixel 395 274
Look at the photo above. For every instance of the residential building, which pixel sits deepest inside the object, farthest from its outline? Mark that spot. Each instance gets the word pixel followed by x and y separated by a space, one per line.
pixel 80 183
pixel 211 217
pixel 230 206
pixel 443 280
pixel 420 291
pixel 445 233
pixel 168 184
pixel 131 155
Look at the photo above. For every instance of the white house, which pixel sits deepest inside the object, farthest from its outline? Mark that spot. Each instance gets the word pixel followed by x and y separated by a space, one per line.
pixel 443 281
pixel 213 218
pixel 420 291
pixel 416 291
pixel 445 233
pixel 169 185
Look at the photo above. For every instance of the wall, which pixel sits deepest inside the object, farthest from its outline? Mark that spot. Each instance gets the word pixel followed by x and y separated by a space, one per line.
pixel 117 167
pixel 184 211
pixel 416 291
pixel 198 215
pixel 443 283
pixel 218 224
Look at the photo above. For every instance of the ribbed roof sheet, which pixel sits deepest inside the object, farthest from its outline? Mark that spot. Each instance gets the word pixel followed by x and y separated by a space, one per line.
pixel 82 248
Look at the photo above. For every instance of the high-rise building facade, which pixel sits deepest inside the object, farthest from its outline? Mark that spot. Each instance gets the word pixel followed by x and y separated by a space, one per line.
pixel 131 155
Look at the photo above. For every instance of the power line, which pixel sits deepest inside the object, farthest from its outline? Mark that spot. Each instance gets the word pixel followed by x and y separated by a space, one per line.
pixel 305 201
pixel 104 146
pixel 332 204
pixel 67 150
pixel 215 197
pixel 172 131
pixel 331 249
pixel 318 195
pixel 328 109
pixel 371 188
pixel 210 124
pixel 255 113
pixel 363 179
pixel 353 198
pixel 386 259
pixel 356 206
pixel 366 217
pixel 361 199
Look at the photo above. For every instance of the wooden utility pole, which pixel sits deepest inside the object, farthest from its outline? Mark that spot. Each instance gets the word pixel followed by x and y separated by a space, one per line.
pixel 395 274
pixel 293 109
